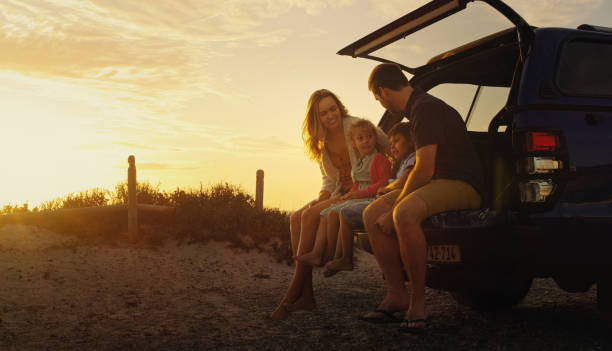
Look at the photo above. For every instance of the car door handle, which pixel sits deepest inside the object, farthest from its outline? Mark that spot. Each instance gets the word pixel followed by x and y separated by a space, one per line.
pixel 592 118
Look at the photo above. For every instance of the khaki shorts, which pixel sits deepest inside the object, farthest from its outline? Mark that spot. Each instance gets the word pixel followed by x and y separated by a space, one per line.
pixel 441 195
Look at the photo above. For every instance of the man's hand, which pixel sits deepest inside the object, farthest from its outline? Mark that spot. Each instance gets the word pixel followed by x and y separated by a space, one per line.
pixel 382 190
pixel 385 223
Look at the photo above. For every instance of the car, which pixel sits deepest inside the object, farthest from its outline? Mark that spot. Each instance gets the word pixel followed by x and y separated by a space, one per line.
pixel 545 148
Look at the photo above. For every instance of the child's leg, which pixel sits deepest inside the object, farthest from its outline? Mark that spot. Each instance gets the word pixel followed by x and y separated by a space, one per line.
pixel 334 239
pixel 313 257
pixel 344 263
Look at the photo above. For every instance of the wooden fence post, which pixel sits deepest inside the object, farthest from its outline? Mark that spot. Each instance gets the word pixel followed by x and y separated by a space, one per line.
pixel 259 190
pixel 132 203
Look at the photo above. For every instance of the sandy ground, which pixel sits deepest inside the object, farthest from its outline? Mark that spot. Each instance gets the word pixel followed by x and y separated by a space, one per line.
pixel 56 294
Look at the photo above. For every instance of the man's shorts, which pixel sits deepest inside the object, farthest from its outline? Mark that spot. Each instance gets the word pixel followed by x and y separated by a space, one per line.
pixel 441 195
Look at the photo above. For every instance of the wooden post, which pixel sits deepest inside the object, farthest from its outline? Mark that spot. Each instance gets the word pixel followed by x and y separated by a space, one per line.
pixel 132 203
pixel 259 190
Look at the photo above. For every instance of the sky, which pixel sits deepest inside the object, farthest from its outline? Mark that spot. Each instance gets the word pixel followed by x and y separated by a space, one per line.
pixel 199 91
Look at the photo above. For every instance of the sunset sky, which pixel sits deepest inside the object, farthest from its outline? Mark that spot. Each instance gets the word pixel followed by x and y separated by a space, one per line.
pixel 199 91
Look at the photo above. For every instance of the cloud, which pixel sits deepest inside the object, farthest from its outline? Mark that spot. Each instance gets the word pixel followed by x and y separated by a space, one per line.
pixel 544 13
pixel 135 146
pixel 263 144
pixel 536 12
pixel 153 54
pixel 153 166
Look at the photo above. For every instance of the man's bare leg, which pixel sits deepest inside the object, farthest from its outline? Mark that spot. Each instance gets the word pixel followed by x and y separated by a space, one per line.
pixel 345 261
pixel 386 251
pixel 314 257
pixel 407 217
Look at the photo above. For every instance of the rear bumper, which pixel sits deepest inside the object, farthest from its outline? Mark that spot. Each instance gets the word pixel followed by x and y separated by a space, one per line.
pixel 536 248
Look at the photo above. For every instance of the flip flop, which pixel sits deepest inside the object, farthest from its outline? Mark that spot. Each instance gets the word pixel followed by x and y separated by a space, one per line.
pixel 419 326
pixel 387 317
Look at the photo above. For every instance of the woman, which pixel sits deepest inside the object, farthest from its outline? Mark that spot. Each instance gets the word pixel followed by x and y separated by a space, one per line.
pixel 325 131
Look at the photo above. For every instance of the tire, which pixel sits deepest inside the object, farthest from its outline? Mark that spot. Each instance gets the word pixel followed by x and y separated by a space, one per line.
pixel 604 297
pixel 502 296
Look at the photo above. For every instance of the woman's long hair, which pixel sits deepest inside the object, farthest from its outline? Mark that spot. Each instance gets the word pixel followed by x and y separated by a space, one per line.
pixel 313 132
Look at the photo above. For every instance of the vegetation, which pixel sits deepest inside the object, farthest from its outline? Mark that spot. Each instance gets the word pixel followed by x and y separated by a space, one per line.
pixel 222 212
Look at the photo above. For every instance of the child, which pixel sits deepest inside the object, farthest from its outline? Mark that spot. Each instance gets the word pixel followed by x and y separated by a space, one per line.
pixel 404 157
pixel 369 173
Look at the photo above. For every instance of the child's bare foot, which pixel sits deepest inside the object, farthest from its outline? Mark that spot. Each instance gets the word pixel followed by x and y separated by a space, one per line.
pixel 309 258
pixel 280 313
pixel 328 272
pixel 302 303
pixel 340 264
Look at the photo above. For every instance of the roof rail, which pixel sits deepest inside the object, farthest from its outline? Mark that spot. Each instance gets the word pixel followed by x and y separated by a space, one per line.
pixel 595 28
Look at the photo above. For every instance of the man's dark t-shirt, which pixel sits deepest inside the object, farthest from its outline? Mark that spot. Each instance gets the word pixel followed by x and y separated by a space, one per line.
pixel 434 122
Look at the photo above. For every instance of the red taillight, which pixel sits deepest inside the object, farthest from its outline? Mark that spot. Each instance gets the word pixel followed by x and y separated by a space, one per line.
pixel 541 141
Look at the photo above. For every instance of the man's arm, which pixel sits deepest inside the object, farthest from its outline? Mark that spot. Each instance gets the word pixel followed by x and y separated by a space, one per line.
pixel 423 170
pixel 397 183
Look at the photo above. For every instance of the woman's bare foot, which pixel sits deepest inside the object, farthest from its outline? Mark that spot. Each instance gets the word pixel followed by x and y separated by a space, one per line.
pixel 302 304
pixel 310 258
pixel 280 313
pixel 340 264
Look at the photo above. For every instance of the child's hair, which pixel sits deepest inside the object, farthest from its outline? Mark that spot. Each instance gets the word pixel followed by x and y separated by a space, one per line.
pixel 365 124
pixel 403 129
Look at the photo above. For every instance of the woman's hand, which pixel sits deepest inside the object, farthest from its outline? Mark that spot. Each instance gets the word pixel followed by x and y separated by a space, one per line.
pixel 337 198
pixel 313 202
pixel 385 223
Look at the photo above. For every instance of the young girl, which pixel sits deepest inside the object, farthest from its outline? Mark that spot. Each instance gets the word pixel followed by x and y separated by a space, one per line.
pixel 404 158
pixel 369 173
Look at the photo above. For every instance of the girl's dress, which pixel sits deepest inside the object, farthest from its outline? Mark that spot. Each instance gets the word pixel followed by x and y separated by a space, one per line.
pixel 369 174
pixel 353 212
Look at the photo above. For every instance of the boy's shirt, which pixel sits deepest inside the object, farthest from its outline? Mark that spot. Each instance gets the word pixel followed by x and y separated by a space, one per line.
pixel 406 163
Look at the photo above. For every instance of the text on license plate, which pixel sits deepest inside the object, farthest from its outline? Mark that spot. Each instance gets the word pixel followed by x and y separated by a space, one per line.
pixel 444 253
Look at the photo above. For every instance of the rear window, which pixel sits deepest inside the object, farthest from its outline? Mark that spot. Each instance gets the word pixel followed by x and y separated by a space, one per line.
pixel 585 68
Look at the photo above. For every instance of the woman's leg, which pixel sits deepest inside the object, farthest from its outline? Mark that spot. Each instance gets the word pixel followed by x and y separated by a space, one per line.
pixel 299 294
pixel 294 228
pixel 313 257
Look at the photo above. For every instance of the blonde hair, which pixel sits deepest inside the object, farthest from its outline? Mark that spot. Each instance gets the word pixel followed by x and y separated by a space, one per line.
pixel 313 131
pixel 362 123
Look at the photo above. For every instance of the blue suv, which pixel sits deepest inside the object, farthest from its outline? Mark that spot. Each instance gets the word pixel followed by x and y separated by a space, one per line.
pixel 545 147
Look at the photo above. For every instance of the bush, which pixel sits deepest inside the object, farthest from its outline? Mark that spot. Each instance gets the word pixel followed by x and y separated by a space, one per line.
pixel 222 212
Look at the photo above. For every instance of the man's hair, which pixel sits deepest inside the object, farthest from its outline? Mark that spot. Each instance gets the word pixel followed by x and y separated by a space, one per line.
pixel 387 75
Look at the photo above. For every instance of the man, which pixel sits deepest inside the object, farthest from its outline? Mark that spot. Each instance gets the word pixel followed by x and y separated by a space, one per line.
pixel 447 176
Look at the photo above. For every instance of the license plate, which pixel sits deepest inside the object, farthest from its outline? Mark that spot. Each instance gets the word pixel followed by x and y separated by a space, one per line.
pixel 444 253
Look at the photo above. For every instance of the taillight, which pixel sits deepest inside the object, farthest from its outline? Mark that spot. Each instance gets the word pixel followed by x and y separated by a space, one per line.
pixel 536 190
pixel 541 161
pixel 539 165
pixel 541 141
